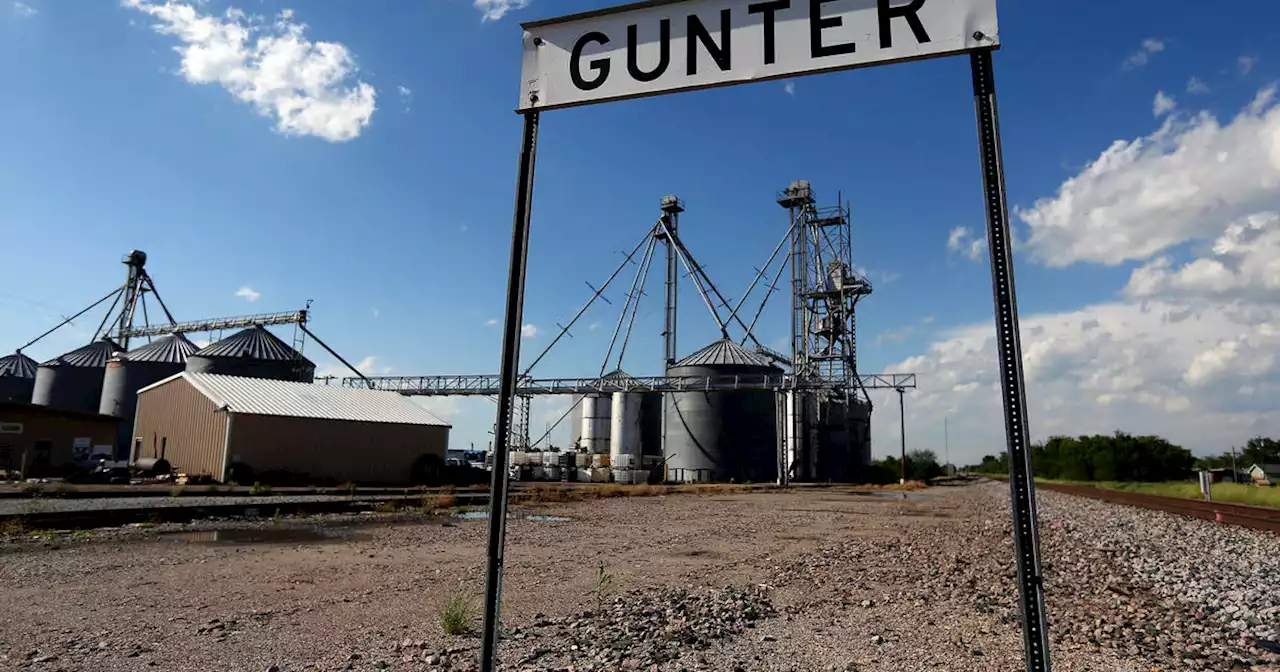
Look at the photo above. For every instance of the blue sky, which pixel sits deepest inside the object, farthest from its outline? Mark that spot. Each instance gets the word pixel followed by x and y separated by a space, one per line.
pixel 388 199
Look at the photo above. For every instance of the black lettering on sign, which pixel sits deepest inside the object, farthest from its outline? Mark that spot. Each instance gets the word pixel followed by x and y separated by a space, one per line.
pixel 664 52
pixel 698 33
pixel 600 65
pixel 769 9
pixel 816 25
pixel 908 12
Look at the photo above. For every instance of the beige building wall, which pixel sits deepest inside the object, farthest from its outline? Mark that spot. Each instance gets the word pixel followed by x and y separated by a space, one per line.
pixel 361 452
pixel 175 421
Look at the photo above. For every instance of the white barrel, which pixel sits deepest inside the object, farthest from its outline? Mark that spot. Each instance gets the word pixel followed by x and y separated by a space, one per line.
pixel 795 461
pixel 595 424
pixel 624 429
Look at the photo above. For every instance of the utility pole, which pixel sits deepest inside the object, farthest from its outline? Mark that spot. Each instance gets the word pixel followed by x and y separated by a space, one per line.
pixel 1235 471
pixel 946 447
pixel 902 415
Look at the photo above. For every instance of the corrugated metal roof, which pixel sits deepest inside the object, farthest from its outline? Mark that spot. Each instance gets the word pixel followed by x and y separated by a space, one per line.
pixel 94 355
pixel 725 352
pixel 252 343
pixel 261 396
pixel 617 374
pixel 172 349
pixel 17 365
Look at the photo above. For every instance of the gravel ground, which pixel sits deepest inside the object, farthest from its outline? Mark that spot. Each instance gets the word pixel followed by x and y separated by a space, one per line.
pixel 801 581
pixel 27 506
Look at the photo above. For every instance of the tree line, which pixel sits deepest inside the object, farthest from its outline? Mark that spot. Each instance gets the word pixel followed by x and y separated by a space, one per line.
pixel 1125 457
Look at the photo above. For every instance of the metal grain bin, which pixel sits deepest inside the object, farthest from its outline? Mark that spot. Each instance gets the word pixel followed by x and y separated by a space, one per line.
pixel 17 377
pixel 129 372
pixel 73 381
pixel 721 436
pixel 253 353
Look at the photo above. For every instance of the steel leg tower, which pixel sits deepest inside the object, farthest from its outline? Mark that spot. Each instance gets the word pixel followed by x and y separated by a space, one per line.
pixel 827 434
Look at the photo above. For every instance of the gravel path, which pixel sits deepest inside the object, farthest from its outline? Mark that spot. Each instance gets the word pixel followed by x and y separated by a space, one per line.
pixel 801 581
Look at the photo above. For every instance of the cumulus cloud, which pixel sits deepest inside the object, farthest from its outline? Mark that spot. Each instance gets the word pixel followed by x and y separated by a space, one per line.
pixel 962 241
pixel 24 10
pixel 529 331
pixel 1143 55
pixel 1187 350
pixel 1163 104
pixel 248 294
pixel 1184 181
pixel 308 88
pixel 1196 86
pixel 492 10
pixel 893 335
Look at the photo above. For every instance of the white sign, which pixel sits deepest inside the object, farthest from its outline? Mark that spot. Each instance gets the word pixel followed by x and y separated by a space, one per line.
pixel 10 427
pixel 664 46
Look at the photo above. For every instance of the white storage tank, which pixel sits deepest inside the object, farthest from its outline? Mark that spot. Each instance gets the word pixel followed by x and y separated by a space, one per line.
pixel 596 423
pixel 624 429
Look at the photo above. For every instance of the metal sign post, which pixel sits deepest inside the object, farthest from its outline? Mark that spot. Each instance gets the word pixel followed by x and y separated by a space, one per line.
pixel 658 47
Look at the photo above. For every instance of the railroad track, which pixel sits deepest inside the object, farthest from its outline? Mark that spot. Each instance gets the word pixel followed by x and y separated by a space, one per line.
pixel 1252 517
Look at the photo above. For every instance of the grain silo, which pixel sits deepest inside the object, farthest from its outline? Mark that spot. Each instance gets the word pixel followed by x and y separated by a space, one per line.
pixel 17 377
pixel 721 436
pixel 129 372
pixel 73 381
pixel 253 353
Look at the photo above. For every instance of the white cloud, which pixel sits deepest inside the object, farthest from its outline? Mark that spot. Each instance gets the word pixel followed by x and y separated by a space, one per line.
pixel 1142 56
pixel 1163 104
pixel 927 319
pixel 790 88
pixel 1196 86
pixel 406 96
pixel 1184 181
pixel 893 335
pixel 24 10
pixel 961 240
pixel 529 331
pixel 1187 351
pixel 369 366
pixel 302 85
pixel 496 9
pixel 248 294
pixel 593 326
pixel 1246 63
pixel 491 322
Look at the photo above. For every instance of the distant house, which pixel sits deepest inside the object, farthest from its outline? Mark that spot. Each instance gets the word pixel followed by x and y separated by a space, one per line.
pixel 1265 474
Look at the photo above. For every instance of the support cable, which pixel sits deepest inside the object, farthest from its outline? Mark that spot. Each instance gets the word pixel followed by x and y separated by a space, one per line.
pixel 115 292
pixel 697 281
pixel 622 316
pixel 760 274
pixel 368 383
pixel 151 283
pixel 765 301
pixel 107 318
pixel 635 307
pixel 698 269
pixel 565 330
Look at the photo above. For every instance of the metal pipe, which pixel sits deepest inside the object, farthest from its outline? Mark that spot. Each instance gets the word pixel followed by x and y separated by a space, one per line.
pixel 107 318
pixel 902 417
pixel 715 290
pixel 152 285
pixel 331 351
pixel 115 292
pixel 697 281
pixel 506 396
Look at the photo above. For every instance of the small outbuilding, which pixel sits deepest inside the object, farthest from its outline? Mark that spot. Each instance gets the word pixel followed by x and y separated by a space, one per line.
pixel 1264 474
pixel 232 428
pixel 40 441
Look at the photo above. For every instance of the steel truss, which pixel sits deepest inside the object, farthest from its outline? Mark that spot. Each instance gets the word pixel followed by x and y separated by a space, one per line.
pixel 490 385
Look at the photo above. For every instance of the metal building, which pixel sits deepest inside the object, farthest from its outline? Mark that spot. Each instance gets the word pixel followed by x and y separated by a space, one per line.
pixel 73 381
pixel 247 429
pixel 253 353
pixel 129 372
pixel 17 377
pixel 721 436
pixel 40 441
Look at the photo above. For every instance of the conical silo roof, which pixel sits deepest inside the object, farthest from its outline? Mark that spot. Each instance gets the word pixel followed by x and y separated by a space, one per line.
pixel 725 352
pixel 252 343
pixel 17 365
pixel 172 349
pixel 94 355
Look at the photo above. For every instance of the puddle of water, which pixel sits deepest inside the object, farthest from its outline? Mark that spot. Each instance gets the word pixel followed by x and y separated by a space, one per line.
pixel 254 536
pixel 484 515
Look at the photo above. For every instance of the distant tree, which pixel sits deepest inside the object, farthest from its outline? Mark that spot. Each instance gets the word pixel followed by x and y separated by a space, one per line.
pixel 1260 450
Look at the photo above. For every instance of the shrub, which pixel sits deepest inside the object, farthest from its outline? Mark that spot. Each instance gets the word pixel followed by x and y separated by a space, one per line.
pixel 457 614
pixel 259 488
